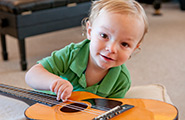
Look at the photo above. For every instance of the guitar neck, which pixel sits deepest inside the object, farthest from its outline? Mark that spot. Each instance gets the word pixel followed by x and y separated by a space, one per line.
pixel 29 96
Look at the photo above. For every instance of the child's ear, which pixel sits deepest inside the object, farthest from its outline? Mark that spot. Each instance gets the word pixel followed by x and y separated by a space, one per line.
pixel 88 28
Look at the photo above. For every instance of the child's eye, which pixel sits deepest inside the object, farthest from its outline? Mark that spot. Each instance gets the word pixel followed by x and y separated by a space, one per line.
pixel 103 35
pixel 125 44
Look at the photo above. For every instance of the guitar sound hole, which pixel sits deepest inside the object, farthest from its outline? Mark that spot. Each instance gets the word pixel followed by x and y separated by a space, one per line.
pixel 74 107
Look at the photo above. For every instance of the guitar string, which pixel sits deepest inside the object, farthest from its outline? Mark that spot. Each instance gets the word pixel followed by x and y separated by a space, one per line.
pixel 67 105
pixel 50 96
pixel 73 106
pixel 82 109
pixel 51 101
pixel 104 108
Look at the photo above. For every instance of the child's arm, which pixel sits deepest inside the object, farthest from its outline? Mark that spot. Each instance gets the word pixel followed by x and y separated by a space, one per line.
pixel 39 78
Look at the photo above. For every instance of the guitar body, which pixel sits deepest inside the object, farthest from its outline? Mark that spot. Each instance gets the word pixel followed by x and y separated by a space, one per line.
pixel 143 109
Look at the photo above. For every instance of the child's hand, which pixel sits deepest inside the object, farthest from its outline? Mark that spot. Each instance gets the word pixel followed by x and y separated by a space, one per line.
pixel 62 88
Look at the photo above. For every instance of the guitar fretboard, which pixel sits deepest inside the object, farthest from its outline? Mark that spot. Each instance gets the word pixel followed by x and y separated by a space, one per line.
pixel 32 95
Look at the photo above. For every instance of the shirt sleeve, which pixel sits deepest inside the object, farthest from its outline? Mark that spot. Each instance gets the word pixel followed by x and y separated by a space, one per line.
pixel 59 61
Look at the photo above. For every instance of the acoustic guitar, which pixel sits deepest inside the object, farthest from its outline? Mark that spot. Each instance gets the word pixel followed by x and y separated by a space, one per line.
pixel 88 106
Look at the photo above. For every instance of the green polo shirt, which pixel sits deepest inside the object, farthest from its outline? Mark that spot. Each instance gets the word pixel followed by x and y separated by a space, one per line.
pixel 70 63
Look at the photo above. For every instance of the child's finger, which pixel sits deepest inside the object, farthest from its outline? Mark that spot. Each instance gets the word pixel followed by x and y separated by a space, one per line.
pixel 63 98
pixel 58 96
pixel 52 86
pixel 65 94
pixel 59 93
pixel 58 86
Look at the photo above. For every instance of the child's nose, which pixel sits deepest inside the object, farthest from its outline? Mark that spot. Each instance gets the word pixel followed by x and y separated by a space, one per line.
pixel 111 47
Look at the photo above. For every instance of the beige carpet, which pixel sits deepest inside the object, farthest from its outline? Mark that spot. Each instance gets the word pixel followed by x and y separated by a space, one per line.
pixel 161 60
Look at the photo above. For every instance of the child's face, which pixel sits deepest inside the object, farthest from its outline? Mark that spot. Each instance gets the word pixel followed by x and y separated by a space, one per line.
pixel 113 37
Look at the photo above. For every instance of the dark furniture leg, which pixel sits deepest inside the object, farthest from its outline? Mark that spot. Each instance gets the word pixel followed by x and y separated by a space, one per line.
pixel 157 7
pixel 22 51
pixel 3 44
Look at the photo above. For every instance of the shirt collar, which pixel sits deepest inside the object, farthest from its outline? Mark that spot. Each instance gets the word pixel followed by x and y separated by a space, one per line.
pixel 80 62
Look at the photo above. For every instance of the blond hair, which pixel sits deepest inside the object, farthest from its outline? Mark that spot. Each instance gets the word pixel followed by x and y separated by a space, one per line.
pixel 117 6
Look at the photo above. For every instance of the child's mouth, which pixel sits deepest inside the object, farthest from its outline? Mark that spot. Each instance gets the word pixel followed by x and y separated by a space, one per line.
pixel 107 58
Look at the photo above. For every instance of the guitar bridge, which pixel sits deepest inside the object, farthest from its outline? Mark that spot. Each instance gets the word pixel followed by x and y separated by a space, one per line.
pixel 113 112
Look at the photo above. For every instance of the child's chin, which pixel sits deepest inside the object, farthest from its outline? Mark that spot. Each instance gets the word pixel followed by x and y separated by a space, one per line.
pixel 105 66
